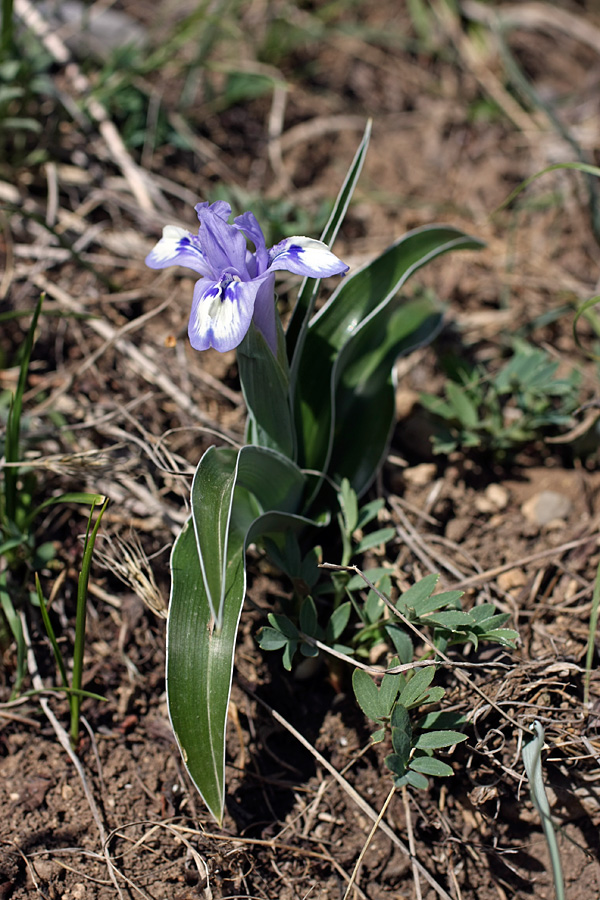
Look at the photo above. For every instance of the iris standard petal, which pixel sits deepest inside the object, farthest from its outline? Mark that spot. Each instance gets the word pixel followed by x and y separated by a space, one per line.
pixel 223 245
pixel 248 223
pixel 177 247
pixel 221 313
pixel 218 208
pixel 305 256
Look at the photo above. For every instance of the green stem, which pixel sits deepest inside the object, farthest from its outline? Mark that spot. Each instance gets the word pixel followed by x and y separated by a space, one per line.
pixel 6 37
pixel 14 623
pixel 80 621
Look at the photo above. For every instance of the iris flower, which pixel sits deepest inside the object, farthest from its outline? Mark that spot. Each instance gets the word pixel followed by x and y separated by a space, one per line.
pixel 237 285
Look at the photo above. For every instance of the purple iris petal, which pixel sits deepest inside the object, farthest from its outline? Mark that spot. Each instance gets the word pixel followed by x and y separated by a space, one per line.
pixel 178 247
pixel 305 256
pixel 219 208
pixel 221 313
pixel 248 223
pixel 238 284
pixel 223 245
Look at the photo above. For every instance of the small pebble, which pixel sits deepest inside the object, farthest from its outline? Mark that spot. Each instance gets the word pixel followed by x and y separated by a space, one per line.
pixel 545 507
pixel 421 475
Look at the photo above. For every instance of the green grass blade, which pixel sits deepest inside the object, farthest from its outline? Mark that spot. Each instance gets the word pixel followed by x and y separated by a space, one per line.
pixel 70 497
pixel 50 632
pixel 13 425
pixel 532 760
pixel 14 623
pixel 307 295
pixel 80 619
pixel 6 36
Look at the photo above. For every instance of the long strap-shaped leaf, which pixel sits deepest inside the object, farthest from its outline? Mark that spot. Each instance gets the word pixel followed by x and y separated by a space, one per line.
pixel 237 497
pixel 200 658
pixel 361 297
pixel 265 385
pixel 363 388
pixel 307 295
pixel 273 480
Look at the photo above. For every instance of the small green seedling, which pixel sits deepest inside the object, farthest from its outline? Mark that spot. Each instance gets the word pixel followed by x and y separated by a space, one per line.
pixel 498 414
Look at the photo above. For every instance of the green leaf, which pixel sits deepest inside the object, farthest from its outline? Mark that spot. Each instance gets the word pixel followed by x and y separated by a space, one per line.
pixel 506 637
pixel 200 656
pixel 70 497
pixel 434 695
pixel 403 645
pixel 389 690
pixel 437 601
pixel 288 654
pixel 284 625
pixel 465 409
pixel 401 744
pixel 349 506
pixel 274 481
pixel 339 620
pixel 199 665
pixel 265 385
pixel 452 619
pixel 416 780
pixel 429 765
pixel 492 622
pixel 367 695
pixel 375 539
pixel 271 639
pixel 378 736
pixel 417 593
pixel 373 608
pixel 396 764
pixel 532 760
pixel 361 319
pixel 442 720
pixel 484 611
pixel 434 740
pixel 374 575
pixel 369 511
pixel 308 617
pixel 363 388
pixel 237 497
pixel 307 295
pixel 401 719
pixel 417 686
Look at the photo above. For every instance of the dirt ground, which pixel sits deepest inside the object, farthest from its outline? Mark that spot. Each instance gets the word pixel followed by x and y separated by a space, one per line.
pixel 463 110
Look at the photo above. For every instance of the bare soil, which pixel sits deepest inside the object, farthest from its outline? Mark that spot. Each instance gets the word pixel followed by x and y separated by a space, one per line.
pixel 133 407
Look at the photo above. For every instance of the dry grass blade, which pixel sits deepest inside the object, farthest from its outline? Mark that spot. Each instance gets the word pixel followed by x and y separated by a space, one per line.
pixel 370 837
pixel 140 362
pixel 136 178
pixel 63 739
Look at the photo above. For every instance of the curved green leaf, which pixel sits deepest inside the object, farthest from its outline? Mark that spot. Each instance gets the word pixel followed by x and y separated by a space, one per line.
pixel 265 385
pixel 365 390
pixel 361 302
pixel 237 498
pixel 199 665
pixel 274 481
pixel 200 656
pixel 434 740
pixel 429 765
pixel 305 304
